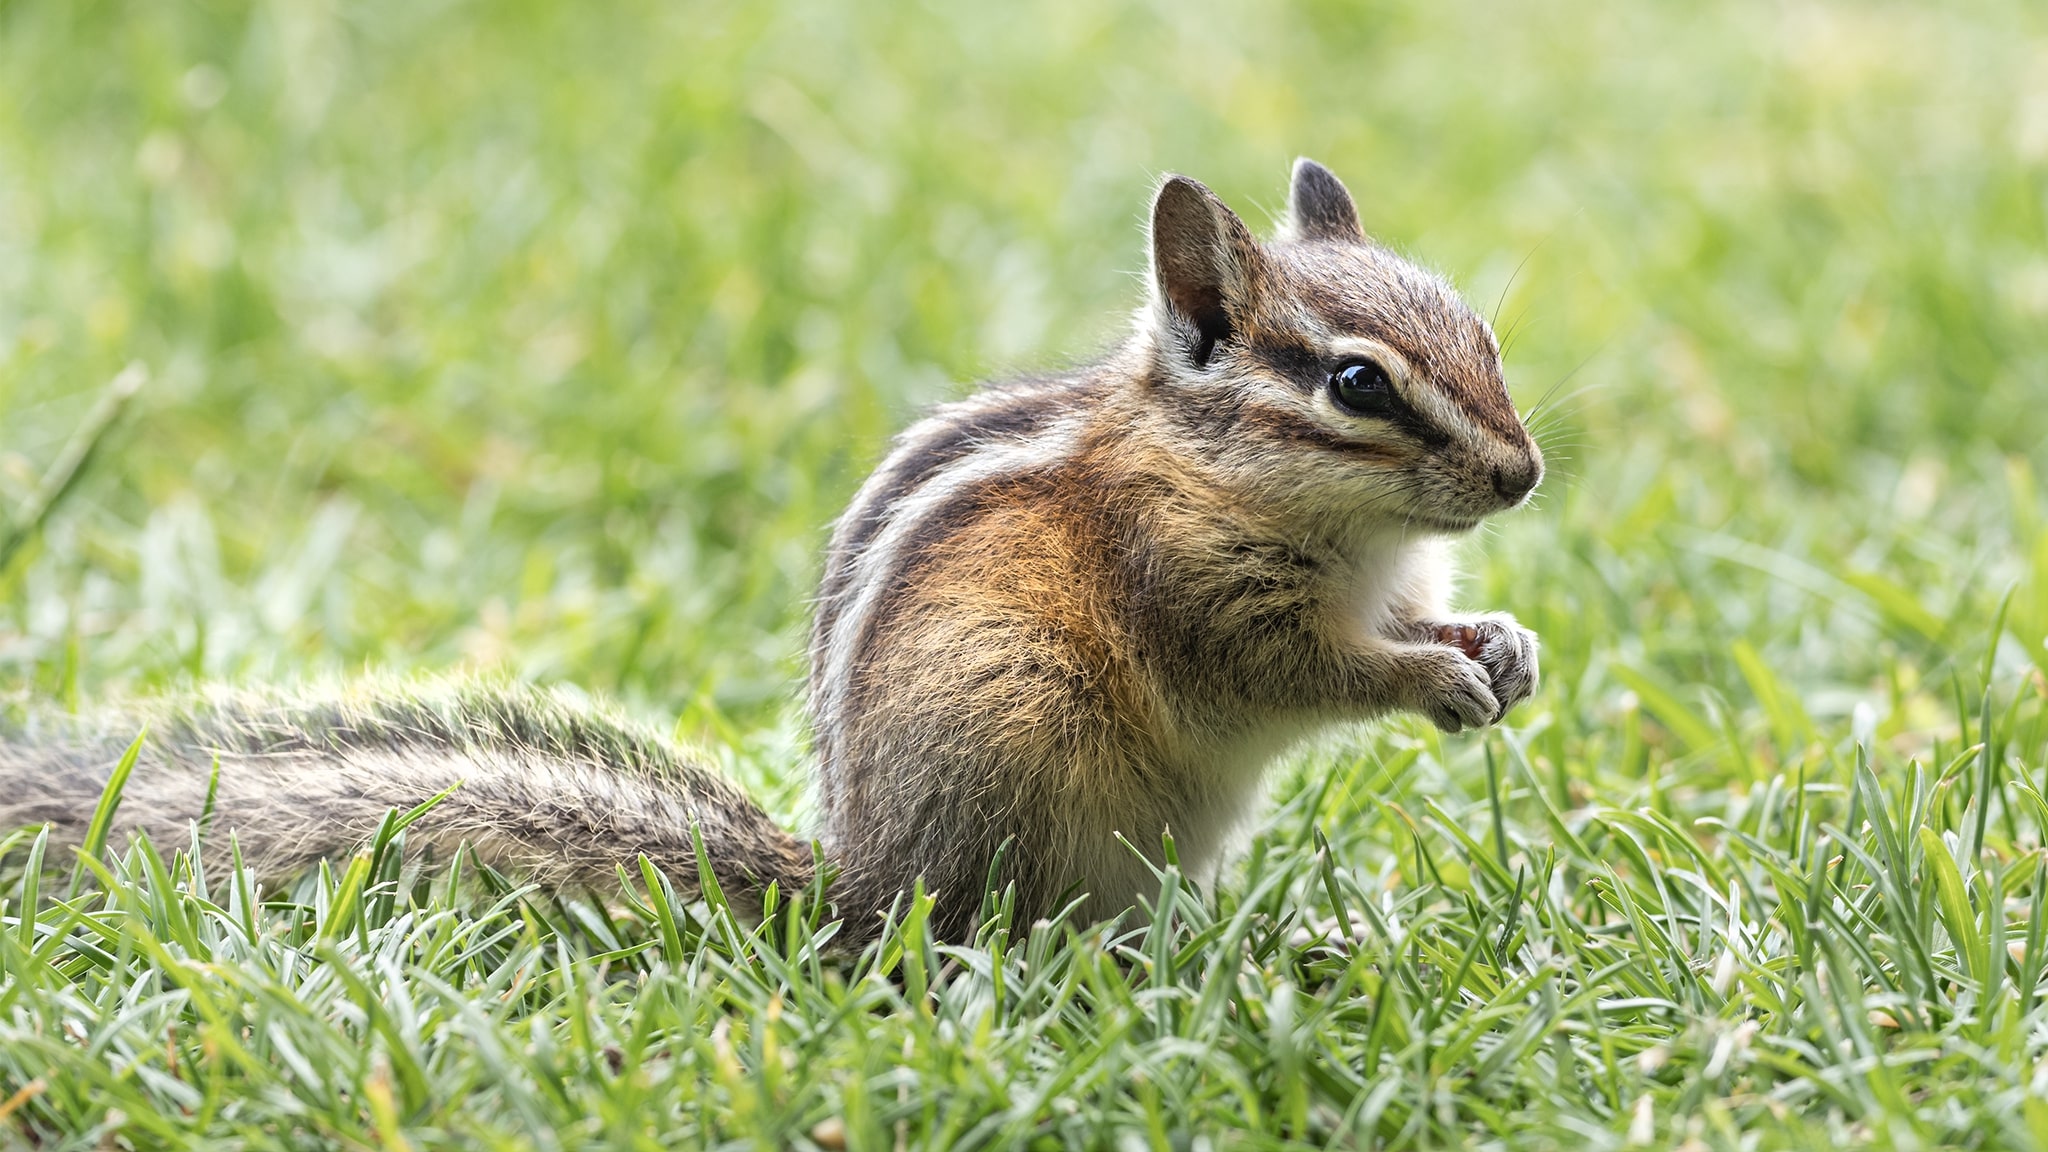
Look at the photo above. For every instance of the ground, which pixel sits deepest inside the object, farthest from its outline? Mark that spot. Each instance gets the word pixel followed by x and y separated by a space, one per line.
pixel 547 339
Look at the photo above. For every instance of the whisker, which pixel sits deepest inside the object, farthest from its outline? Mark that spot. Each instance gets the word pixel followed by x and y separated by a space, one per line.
pixel 1507 342
pixel 1494 320
pixel 1545 400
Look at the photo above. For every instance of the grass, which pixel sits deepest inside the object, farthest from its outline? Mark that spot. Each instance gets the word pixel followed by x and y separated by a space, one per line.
pixel 547 340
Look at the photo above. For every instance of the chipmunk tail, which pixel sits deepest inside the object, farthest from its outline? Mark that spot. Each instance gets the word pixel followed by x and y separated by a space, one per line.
pixel 540 784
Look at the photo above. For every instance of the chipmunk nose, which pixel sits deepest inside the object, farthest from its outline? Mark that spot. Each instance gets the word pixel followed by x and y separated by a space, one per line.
pixel 1513 483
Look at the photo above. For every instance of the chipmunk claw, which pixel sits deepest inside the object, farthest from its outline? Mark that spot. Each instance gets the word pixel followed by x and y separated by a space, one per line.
pixel 1504 648
pixel 1457 692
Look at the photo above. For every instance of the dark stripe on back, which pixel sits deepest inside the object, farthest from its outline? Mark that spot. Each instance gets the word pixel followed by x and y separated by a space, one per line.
pixel 1020 415
pixel 934 529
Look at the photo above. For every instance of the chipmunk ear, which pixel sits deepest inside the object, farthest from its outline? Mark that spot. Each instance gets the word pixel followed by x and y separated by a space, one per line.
pixel 1204 264
pixel 1319 207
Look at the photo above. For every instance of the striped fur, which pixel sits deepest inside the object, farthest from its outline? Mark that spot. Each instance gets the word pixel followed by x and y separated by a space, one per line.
pixel 545 785
pixel 1062 618
pixel 1072 610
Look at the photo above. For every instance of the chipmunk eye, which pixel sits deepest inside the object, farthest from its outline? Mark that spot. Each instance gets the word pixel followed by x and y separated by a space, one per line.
pixel 1363 389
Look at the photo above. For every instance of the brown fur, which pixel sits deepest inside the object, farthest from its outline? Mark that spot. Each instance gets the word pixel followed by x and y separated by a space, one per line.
pixel 1113 634
pixel 1063 617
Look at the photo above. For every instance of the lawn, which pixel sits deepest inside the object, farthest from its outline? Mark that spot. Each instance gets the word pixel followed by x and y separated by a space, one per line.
pixel 545 340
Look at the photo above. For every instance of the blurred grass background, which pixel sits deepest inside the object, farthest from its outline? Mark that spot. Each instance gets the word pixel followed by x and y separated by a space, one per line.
pixel 551 338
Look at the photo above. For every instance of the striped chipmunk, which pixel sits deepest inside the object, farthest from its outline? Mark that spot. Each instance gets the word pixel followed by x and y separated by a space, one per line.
pixel 1063 617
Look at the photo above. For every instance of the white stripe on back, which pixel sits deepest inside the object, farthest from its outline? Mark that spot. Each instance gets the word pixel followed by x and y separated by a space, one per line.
pixel 872 570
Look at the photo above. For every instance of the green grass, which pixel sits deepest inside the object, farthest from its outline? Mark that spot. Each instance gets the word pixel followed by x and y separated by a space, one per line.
pixel 547 339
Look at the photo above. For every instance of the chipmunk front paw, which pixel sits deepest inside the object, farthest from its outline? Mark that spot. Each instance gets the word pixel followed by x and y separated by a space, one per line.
pixel 1453 690
pixel 1503 647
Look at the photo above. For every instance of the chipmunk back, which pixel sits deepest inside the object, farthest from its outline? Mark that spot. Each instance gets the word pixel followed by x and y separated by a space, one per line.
pixel 1063 617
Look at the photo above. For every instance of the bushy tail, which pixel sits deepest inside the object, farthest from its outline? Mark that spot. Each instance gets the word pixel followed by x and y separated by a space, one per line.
pixel 544 787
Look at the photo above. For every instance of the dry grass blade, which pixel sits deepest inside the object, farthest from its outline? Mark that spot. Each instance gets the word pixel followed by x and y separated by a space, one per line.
pixel 70 466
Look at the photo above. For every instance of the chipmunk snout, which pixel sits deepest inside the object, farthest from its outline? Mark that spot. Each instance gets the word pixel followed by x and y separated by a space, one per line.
pixel 1513 482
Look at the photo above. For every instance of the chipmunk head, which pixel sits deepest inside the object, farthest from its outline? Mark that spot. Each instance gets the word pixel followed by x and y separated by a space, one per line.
pixel 1324 372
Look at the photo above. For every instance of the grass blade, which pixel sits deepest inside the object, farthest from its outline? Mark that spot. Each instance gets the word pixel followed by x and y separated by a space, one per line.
pixel 102 823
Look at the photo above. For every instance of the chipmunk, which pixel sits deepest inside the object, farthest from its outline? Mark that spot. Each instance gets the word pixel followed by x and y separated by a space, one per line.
pixel 1063 617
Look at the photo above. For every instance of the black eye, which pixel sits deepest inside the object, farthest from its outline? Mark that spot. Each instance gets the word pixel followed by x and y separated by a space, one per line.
pixel 1363 389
